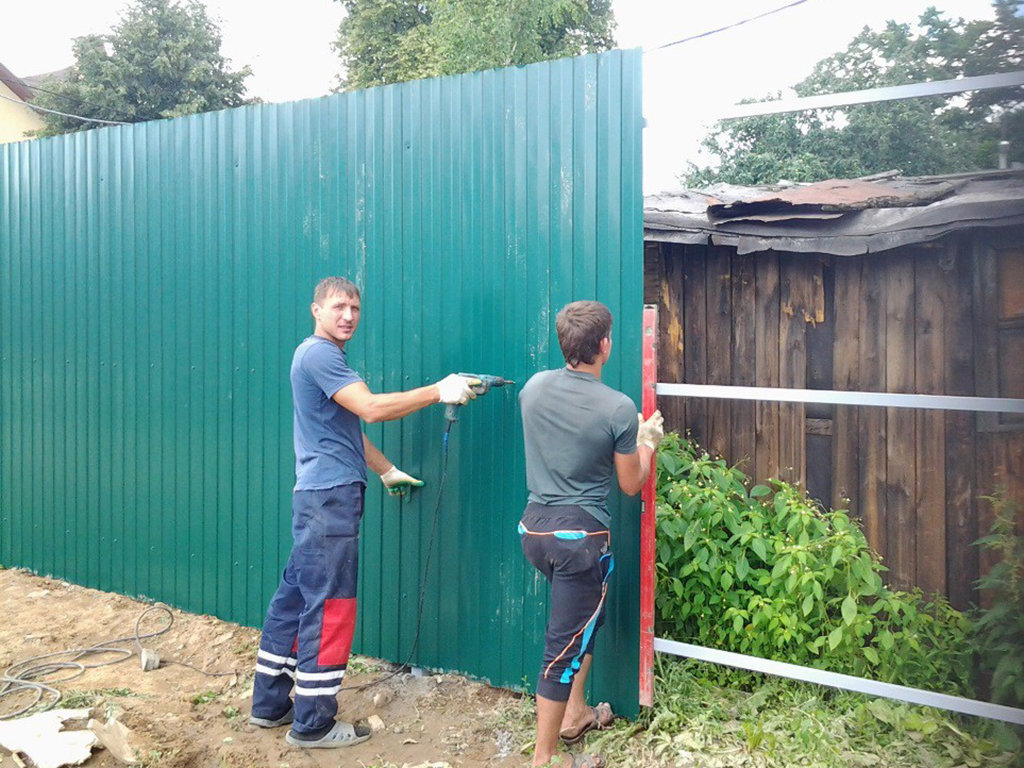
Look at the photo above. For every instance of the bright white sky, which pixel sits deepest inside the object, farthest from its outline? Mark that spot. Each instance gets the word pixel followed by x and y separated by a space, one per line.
pixel 289 51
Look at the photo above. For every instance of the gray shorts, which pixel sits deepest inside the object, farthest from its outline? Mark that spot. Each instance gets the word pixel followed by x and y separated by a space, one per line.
pixel 573 551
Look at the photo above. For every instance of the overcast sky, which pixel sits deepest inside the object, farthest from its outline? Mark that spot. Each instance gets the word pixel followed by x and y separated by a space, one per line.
pixel 289 51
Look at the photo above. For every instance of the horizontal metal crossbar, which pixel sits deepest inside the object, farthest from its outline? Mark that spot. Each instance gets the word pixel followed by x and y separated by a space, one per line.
pixel 872 95
pixel 844 682
pixel 833 397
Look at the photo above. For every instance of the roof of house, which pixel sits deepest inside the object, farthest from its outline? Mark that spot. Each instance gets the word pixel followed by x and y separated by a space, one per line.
pixel 844 217
pixel 15 83
pixel 57 75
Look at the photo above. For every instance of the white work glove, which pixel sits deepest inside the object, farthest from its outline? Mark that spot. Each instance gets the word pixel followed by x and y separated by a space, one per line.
pixel 455 390
pixel 398 482
pixel 650 432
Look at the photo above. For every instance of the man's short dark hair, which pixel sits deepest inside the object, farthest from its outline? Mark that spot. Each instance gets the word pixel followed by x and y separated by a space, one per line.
pixel 581 325
pixel 332 285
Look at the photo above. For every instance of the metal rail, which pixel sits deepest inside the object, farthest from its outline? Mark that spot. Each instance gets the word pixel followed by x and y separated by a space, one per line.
pixel 834 397
pixel 872 95
pixel 844 682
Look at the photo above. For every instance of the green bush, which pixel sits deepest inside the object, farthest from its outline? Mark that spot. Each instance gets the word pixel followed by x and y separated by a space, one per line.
pixel 768 572
pixel 998 631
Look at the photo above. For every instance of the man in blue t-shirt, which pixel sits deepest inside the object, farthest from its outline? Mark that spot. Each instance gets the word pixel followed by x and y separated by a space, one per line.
pixel 578 433
pixel 307 634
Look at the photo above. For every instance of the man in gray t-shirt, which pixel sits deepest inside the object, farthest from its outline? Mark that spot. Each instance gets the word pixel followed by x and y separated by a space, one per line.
pixel 601 422
pixel 578 433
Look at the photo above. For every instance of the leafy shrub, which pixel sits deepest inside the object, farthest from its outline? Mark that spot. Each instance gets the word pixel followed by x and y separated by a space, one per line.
pixel 998 631
pixel 768 572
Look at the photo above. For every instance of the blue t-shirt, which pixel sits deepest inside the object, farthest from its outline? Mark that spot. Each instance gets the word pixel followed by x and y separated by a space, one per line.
pixel 573 425
pixel 328 438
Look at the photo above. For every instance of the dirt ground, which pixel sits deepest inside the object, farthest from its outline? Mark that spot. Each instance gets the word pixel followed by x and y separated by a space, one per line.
pixel 181 718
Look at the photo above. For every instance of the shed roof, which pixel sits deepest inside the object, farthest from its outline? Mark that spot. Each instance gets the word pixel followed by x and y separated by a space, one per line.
pixel 844 217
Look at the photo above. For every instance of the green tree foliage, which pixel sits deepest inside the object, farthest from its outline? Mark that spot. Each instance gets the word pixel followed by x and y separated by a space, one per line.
pixel 917 136
pixel 391 41
pixel 161 60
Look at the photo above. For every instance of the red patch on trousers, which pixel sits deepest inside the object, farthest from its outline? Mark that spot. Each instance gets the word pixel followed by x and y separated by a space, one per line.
pixel 336 631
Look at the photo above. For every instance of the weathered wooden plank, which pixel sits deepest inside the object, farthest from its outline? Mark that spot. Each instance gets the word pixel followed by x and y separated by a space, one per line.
pixel 930 297
pixel 1011 368
pixel 671 314
pixel 766 364
pixel 744 363
pixel 961 556
pixel 821 332
pixel 1014 457
pixel 986 467
pixel 1011 283
pixel 872 422
pixel 818 461
pixel 801 298
pixel 820 344
pixel 695 341
pixel 719 348
pixel 986 384
pixel 845 377
pixel 1009 441
pixel 820 427
pixel 653 272
pixel 901 465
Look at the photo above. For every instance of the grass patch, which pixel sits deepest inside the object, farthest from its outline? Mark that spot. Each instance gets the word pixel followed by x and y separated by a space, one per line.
pixel 773 723
pixel 513 724
pixel 363 664
pixel 204 697
pixel 83 699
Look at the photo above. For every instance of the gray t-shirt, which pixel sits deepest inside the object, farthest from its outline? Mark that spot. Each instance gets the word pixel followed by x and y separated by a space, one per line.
pixel 328 438
pixel 573 426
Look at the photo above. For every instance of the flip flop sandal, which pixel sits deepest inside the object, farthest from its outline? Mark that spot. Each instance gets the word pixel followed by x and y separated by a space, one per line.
pixel 341 735
pixel 273 722
pixel 602 718
pixel 578 761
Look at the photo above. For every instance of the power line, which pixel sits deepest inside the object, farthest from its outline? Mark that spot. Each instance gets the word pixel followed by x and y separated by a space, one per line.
pixel 728 26
pixel 63 114
pixel 59 95
pixel 65 96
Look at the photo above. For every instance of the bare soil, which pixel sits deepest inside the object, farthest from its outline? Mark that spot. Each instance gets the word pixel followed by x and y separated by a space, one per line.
pixel 182 718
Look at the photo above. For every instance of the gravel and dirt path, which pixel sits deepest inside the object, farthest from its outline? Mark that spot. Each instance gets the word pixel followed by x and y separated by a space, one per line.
pixel 181 718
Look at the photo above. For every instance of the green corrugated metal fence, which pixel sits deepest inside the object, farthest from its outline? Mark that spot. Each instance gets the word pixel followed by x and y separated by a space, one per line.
pixel 155 279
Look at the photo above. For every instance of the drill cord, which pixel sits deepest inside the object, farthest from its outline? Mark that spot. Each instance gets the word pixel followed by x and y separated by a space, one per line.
pixel 426 566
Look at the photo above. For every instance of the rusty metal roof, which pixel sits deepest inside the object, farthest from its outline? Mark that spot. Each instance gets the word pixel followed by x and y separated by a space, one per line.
pixel 845 217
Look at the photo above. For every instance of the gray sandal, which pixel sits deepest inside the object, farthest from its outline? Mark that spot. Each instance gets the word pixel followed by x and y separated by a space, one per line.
pixel 341 735
pixel 266 722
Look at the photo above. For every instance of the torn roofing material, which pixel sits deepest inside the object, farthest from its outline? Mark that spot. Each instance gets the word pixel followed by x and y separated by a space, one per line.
pixel 839 217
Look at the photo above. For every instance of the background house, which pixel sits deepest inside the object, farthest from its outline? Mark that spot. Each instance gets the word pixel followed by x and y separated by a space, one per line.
pixel 16 118
pixel 886 284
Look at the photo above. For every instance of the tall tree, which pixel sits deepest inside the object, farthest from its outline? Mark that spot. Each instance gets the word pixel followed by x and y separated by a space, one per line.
pixel 919 136
pixel 162 59
pixel 390 41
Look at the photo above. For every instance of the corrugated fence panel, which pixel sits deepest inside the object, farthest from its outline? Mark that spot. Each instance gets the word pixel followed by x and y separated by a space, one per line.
pixel 155 279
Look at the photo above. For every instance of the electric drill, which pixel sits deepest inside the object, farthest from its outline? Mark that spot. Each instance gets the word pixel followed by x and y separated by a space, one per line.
pixel 451 412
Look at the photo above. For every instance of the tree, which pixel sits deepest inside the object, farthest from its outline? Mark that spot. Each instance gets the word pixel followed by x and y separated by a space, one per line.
pixel 917 136
pixel 162 60
pixel 391 41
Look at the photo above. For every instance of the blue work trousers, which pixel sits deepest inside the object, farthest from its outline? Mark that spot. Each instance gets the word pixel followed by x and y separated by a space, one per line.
pixel 307 635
